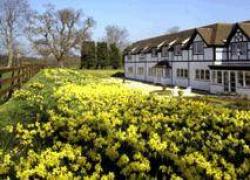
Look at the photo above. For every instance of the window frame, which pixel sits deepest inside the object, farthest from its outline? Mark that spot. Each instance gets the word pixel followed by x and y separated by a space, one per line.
pixel 165 54
pixel 207 75
pixel 142 56
pixel 151 72
pixel 240 81
pixel 182 73
pixel 195 48
pixel 140 71
pixel 154 53
pixel 239 48
pixel 219 77
pixel 247 79
pixel 129 70
pixel 178 50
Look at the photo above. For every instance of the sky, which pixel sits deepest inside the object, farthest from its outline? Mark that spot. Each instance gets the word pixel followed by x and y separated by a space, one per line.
pixel 147 18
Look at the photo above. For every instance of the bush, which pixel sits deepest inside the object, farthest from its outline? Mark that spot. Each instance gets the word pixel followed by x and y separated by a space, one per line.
pixel 81 126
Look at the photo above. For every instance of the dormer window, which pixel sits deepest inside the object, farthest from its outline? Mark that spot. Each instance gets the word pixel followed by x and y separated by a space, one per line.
pixel 177 50
pixel 198 48
pixel 154 53
pixel 129 57
pixel 142 56
pixel 164 52
pixel 239 48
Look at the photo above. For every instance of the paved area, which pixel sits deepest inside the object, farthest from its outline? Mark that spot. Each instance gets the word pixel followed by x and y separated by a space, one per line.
pixel 151 88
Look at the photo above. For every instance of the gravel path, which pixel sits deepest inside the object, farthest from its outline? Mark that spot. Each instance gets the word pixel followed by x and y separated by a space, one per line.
pixel 151 88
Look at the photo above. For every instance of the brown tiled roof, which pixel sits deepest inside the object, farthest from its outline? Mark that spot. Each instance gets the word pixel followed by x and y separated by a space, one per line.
pixel 245 28
pixel 214 35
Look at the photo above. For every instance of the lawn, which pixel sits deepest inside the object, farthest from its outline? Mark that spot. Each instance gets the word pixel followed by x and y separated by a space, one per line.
pixel 68 124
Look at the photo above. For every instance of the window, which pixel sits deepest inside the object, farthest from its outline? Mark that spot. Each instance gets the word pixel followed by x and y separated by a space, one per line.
pixel 154 53
pixel 241 78
pixel 178 50
pixel 198 48
pixel 140 71
pixel 151 71
pixel 159 72
pixel 219 77
pixel 247 79
pixel 214 77
pixel 207 75
pixel 182 73
pixel 130 70
pixel 164 52
pixel 202 74
pixel 239 48
pixel 185 73
pixel 142 56
pixel 197 74
pixel 129 57
pixel 178 73
pixel 243 48
pixel 234 49
pixel 166 73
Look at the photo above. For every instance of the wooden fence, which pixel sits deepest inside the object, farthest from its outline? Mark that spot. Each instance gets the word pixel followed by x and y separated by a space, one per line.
pixel 13 78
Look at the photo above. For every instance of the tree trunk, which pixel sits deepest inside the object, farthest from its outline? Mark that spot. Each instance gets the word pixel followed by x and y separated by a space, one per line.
pixel 10 53
pixel 61 64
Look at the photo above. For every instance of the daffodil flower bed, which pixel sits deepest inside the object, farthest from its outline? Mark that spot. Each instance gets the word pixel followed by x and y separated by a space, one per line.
pixel 65 124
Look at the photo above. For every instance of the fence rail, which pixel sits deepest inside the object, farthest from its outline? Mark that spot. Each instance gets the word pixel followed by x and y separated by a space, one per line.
pixel 13 78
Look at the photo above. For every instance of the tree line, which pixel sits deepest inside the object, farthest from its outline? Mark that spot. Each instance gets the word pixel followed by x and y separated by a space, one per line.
pixel 100 55
pixel 56 34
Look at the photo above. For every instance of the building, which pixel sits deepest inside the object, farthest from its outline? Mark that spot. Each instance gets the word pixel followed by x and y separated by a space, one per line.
pixel 213 58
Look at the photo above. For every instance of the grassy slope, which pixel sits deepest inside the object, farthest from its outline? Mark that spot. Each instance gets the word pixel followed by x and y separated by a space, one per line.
pixel 68 88
pixel 12 110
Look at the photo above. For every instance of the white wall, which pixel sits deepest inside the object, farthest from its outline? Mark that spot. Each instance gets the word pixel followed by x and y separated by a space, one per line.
pixel 187 61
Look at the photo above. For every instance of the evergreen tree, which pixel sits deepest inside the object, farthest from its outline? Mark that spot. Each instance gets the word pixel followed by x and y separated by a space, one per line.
pixel 102 55
pixel 115 56
pixel 88 55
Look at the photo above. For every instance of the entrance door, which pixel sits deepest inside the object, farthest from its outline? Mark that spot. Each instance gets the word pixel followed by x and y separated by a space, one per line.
pixel 226 81
pixel 233 81
pixel 158 74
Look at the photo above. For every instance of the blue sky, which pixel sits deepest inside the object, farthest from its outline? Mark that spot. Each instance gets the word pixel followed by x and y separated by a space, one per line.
pixel 146 18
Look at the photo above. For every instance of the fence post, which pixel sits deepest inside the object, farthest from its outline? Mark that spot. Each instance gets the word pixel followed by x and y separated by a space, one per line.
pixel 19 82
pixel 0 80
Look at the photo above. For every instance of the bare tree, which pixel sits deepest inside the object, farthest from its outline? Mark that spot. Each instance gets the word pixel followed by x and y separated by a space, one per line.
pixel 59 33
pixel 173 29
pixel 13 18
pixel 116 35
